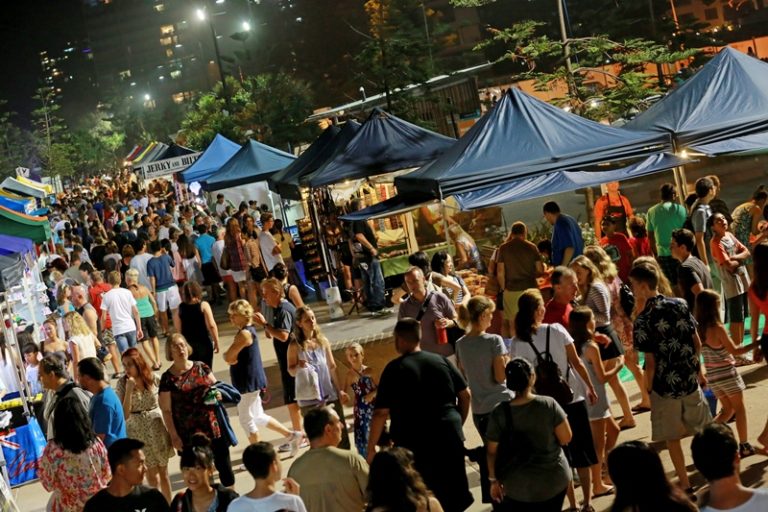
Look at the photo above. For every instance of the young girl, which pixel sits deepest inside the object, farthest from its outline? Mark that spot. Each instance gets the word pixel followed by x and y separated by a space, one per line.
pixel 605 430
pixel 363 383
pixel 82 341
pixel 52 343
pixel 719 350
pixel 639 240
pixel 442 263
pixel 147 306
pixel 247 373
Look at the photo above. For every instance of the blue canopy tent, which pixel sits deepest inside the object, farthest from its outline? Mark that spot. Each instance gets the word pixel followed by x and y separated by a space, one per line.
pixel 383 144
pixel 721 109
pixel 15 205
pixel 523 136
pixel 253 162
pixel 331 142
pixel 215 155
pixel 16 245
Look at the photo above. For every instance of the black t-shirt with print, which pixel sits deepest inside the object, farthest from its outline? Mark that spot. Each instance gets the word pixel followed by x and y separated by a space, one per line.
pixel 141 499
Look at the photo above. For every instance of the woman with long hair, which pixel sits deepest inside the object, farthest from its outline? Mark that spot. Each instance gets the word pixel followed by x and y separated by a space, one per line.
pixel 184 388
pixel 620 321
pixel 442 263
pixel 197 323
pixel 190 257
pixel 197 467
pixel 605 430
pixel 234 247
pixel 82 341
pixel 311 349
pixel 526 464
pixel 718 351
pixel 145 303
pixel 394 485
pixel 746 218
pixel 596 296
pixel 52 344
pixel 74 464
pixel 137 390
pixel 651 492
pixel 256 268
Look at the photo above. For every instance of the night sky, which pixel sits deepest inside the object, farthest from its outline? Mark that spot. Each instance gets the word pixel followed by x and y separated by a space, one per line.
pixel 26 28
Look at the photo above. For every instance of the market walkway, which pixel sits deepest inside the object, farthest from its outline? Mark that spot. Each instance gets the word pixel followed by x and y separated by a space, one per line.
pixel 375 334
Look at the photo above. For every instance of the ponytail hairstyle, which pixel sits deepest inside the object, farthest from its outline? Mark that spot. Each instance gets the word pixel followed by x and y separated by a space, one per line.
pixel 471 312
pixel 525 320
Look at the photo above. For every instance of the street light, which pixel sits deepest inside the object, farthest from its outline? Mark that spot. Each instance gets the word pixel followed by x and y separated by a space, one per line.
pixel 246 26
pixel 202 15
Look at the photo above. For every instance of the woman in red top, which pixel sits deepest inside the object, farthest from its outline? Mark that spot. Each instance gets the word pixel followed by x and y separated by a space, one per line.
pixel 639 240
pixel 617 246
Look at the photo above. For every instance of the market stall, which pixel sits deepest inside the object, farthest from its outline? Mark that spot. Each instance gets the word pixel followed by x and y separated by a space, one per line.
pixel 37 229
pixel 24 304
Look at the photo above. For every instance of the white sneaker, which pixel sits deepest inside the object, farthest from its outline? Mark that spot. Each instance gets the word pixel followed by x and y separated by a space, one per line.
pixel 285 447
pixel 295 442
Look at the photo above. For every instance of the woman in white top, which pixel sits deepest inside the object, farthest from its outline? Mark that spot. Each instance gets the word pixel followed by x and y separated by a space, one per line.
pixel 596 296
pixel 82 342
pixel 531 332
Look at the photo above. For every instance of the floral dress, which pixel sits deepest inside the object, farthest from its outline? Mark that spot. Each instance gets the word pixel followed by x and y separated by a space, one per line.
pixel 146 423
pixel 73 477
pixel 190 413
pixel 363 411
pixel 621 323
pixel 742 225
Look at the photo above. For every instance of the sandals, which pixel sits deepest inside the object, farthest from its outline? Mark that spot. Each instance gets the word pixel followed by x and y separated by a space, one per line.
pixel 746 449
pixel 639 409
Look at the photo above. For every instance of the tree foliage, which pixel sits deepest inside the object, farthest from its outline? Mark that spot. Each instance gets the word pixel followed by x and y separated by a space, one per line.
pixel 270 108
pixel 609 77
pixel 16 145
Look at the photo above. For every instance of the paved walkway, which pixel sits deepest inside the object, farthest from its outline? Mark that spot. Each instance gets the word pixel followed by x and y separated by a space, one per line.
pixel 376 333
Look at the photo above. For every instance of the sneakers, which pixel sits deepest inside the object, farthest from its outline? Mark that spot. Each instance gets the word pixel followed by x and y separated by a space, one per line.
pixel 283 448
pixel 295 442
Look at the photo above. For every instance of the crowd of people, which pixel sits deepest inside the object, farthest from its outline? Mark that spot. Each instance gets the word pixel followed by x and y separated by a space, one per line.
pixel 135 277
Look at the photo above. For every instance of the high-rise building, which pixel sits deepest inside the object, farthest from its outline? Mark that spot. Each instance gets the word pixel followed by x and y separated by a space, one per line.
pixel 162 50
pixel 67 72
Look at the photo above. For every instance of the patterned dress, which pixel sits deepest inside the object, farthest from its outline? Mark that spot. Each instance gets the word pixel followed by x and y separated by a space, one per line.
pixel 190 413
pixel 742 225
pixel 722 376
pixel 73 478
pixel 146 423
pixel 363 412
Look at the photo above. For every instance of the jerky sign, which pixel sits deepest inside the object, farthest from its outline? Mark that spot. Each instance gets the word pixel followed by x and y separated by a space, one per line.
pixel 168 166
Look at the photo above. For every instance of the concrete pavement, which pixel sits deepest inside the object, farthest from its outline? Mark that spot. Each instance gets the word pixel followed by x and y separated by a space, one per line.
pixel 375 335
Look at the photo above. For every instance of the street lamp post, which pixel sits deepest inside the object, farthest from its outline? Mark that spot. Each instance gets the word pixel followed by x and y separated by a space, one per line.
pixel 202 16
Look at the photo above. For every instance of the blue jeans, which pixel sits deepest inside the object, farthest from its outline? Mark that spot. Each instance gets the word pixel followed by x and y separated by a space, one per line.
pixel 125 341
pixel 373 284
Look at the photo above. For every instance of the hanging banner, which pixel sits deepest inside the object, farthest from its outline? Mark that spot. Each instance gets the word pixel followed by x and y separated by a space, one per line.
pixel 168 166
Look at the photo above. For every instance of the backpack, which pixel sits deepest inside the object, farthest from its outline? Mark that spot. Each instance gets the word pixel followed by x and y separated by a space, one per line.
pixel 626 299
pixel 549 379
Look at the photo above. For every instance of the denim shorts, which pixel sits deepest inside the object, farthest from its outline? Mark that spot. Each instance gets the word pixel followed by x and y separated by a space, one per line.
pixel 125 340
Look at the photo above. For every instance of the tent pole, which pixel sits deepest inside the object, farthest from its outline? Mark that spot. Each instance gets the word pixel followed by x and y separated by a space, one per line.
pixel 445 220
pixel 679 176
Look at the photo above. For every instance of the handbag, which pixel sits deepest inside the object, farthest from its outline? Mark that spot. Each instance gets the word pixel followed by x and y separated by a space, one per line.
pixel 549 378
pixel 224 262
pixel 307 384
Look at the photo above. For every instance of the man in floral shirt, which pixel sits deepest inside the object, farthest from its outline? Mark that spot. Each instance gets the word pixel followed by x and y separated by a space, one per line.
pixel 666 332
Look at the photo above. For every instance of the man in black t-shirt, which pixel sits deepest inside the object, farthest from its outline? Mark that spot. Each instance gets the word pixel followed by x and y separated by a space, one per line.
pixel 125 492
pixel 369 264
pixel 427 400
pixel 692 276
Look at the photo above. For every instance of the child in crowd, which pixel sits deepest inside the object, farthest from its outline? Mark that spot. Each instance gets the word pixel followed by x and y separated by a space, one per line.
pixel 718 350
pixel 363 383
pixel 605 430
pixel 262 463
pixel 31 367
pixel 617 245
pixel 639 240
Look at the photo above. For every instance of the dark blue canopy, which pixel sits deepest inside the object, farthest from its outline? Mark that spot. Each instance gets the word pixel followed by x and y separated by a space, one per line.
pixel 173 151
pixel 331 142
pixel 523 136
pixel 216 154
pixel 254 162
pixel 725 99
pixel 384 143
pixel 562 181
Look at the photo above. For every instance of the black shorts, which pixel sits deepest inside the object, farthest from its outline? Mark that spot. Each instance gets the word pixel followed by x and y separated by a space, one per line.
pixel 149 327
pixel 258 274
pixel 288 381
pixel 581 450
pixel 613 349
pixel 210 274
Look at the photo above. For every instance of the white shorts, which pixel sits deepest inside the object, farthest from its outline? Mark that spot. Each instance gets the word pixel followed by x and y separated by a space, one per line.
pixel 169 298
pixel 251 412
pixel 239 276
